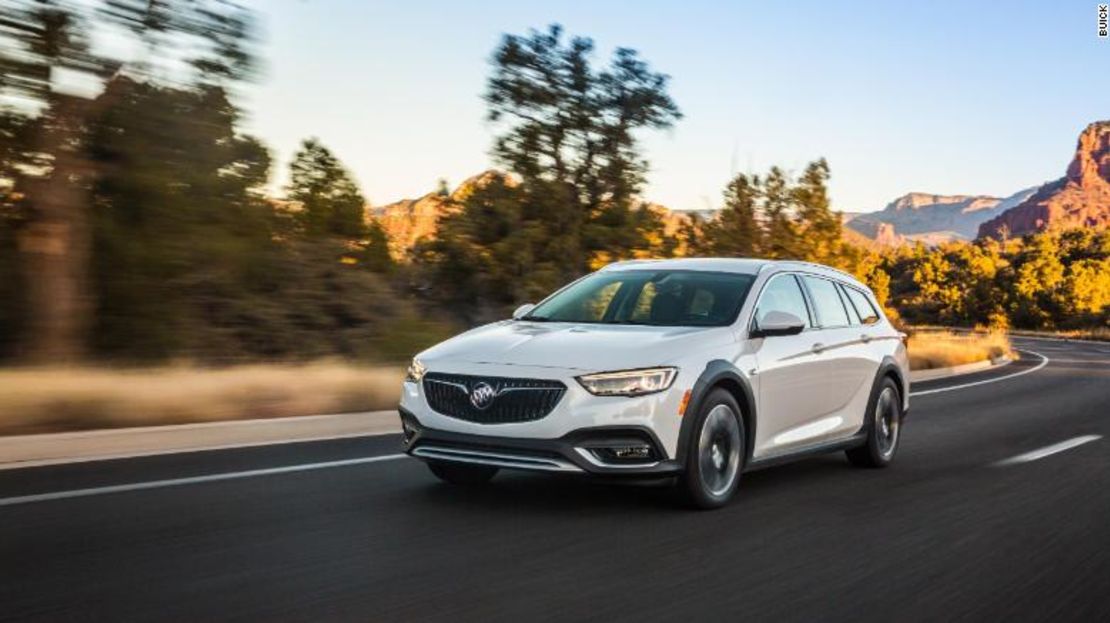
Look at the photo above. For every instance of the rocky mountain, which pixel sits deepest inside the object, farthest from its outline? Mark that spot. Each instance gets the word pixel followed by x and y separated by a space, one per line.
pixel 409 220
pixel 931 219
pixel 1079 199
pixel 861 229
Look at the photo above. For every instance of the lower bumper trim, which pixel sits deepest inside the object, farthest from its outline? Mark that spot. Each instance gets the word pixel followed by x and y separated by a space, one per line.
pixel 496 459
pixel 567 454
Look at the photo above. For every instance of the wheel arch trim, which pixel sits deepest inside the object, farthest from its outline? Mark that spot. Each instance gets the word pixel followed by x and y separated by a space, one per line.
pixel 889 367
pixel 719 373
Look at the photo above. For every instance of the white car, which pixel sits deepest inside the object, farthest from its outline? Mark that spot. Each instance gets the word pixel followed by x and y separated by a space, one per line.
pixel 698 369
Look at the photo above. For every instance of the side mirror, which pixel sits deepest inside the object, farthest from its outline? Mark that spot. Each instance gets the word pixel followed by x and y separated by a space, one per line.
pixel 778 323
pixel 523 310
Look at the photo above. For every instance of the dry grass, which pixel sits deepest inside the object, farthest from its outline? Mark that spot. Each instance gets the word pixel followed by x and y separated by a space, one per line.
pixel 941 349
pixel 54 399
pixel 1097 334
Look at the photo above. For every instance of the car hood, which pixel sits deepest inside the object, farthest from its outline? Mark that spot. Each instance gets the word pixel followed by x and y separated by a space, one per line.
pixel 587 347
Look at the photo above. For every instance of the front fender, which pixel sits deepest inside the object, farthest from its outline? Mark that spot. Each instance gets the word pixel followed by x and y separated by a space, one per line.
pixel 719 373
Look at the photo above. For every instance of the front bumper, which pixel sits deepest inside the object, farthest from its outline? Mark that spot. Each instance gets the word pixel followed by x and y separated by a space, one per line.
pixel 582 451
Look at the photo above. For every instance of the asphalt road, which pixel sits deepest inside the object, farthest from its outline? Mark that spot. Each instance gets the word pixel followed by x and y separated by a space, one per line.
pixel 972 523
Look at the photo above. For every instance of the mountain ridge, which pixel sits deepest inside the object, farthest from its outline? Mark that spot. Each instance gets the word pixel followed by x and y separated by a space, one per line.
pixel 1079 199
pixel 932 218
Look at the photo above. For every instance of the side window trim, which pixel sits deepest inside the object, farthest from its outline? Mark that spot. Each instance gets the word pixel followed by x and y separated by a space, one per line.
pixel 811 308
pixel 854 319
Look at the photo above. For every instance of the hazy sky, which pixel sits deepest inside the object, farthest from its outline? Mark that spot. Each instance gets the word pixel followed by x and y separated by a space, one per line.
pixel 960 97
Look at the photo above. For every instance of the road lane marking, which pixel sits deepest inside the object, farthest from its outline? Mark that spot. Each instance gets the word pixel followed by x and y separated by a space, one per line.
pixel 1048 450
pixel 177 482
pixel 1043 363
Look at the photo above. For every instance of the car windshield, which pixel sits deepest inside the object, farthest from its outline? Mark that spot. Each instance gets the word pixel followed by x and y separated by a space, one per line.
pixel 673 298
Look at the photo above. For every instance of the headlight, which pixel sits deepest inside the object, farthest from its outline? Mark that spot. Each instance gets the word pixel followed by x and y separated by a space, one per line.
pixel 415 372
pixel 629 382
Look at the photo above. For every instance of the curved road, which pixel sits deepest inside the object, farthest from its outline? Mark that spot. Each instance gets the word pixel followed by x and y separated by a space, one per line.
pixel 998 507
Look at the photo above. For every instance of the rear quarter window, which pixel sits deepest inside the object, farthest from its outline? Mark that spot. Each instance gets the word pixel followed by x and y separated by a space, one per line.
pixel 862 304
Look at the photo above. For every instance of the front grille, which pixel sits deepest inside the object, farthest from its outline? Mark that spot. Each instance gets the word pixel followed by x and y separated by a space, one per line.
pixel 514 400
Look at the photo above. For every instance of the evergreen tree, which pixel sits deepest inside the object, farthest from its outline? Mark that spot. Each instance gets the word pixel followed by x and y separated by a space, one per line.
pixel 819 235
pixel 329 199
pixel 778 216
pixel 736 231
pixel 179 218
pixel 330 205
pixel 568 135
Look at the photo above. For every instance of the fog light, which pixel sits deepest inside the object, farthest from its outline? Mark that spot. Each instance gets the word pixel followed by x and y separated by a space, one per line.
pixel 624 453
pixel 407 432
pixel 642 451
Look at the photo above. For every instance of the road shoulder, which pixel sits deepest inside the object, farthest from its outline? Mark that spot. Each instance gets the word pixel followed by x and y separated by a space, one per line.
pixel 20 451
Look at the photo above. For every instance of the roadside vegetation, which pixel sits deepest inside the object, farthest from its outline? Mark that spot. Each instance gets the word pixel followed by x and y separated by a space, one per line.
pixel 929 349
pixel 60 399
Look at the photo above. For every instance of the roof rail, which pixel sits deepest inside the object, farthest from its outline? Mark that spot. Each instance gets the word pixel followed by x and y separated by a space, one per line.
pixel 823 267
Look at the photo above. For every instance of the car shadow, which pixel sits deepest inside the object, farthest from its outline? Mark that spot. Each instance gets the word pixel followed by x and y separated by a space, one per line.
pixel 527 493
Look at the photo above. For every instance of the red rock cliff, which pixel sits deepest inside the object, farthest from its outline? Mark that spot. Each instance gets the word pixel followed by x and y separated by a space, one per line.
pixel 1079 199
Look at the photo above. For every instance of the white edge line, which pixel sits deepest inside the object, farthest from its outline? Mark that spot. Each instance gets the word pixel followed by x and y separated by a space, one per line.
pixel 162 451
pixel 176 482
pixel 1043 363
pixel 1055 448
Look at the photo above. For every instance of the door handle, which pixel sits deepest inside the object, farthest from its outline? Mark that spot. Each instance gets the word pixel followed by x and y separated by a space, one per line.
pixel 818 348
pixel 865 338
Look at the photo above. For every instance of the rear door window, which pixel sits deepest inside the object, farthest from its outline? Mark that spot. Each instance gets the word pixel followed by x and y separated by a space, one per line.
pixel 826 302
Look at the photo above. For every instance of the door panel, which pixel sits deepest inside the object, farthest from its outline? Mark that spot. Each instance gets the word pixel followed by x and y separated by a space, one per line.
pixel 790 388
pixel 788 385
pixel 847 372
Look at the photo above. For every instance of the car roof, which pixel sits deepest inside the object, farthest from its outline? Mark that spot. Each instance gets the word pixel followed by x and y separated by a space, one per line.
pixel 748 266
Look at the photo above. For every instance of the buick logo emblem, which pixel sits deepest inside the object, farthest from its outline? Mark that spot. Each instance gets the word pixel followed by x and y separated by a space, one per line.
pixel 482 395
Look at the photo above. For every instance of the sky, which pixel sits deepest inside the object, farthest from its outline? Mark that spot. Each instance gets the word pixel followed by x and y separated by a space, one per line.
pixel 937 97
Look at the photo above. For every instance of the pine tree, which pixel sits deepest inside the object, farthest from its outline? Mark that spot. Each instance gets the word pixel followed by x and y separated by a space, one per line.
pixel 735 231
pixel 818 235
pixel 329 199
pixel 568 135
pixel 778 217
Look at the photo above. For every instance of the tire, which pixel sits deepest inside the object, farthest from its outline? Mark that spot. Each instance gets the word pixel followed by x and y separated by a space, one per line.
pixel 717 452
pixel 461 473
pixel 884 427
